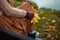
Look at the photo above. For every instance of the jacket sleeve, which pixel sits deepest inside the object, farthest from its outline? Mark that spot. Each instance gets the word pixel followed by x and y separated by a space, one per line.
pixel 11 11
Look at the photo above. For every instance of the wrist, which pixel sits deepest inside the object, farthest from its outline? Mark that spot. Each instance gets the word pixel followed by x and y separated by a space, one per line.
pixel 29 15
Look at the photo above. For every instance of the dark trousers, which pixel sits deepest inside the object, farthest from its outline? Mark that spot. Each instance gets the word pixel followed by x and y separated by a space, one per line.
pixel 4 36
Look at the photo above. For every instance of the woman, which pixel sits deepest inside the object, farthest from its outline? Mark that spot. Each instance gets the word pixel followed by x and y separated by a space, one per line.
pixel 9 21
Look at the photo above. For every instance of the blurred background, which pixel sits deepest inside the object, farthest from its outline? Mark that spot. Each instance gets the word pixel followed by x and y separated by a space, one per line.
pixel 49 13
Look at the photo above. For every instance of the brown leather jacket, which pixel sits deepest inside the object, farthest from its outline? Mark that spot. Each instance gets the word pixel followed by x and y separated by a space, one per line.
pixel 18 25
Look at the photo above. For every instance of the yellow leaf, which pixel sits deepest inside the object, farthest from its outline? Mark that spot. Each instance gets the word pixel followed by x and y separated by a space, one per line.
pixel 36 17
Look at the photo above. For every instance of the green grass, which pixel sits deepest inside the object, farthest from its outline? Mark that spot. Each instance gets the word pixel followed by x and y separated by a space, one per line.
pixel 42 22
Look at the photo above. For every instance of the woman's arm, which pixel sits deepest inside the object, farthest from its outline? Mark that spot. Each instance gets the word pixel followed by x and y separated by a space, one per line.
pixel 11 11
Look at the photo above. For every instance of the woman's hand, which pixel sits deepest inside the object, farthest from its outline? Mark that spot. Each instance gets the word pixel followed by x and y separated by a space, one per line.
pixel 29 15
